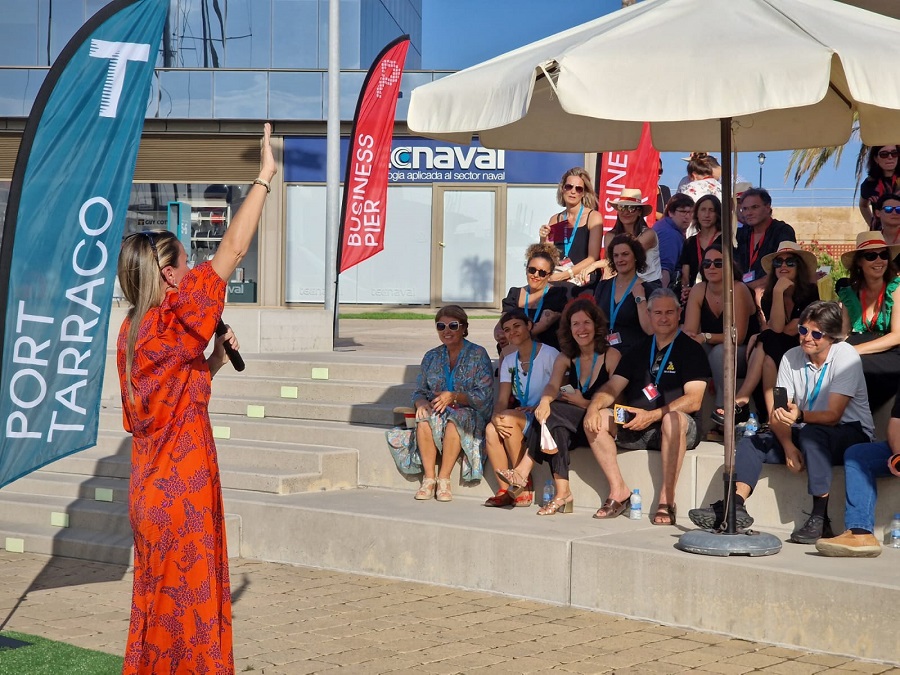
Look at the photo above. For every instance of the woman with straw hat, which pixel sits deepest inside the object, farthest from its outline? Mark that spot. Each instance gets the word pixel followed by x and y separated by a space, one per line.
pixel 868 298
pixel 631 212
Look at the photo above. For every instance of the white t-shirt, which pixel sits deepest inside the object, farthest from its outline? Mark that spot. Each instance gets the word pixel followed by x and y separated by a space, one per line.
pixel 540 373
pixel 843 375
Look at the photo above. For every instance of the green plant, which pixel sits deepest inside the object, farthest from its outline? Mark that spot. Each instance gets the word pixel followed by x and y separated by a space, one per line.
pixel 824 258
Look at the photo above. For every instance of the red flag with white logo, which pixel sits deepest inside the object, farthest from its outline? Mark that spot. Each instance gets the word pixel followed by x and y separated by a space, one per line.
pixel 365 185
pixel 635 169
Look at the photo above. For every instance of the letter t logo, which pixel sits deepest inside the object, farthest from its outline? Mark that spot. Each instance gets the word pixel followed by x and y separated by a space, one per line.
pixel 119 54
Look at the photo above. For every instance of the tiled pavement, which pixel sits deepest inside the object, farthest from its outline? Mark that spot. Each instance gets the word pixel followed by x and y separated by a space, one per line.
pixel 295 620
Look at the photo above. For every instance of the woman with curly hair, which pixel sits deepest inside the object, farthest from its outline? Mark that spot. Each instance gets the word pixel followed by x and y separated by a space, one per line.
pixel 577 231
pixel 541 302
pixel 583 366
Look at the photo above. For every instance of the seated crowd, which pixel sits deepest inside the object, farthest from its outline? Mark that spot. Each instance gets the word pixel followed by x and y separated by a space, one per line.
pixel 616 348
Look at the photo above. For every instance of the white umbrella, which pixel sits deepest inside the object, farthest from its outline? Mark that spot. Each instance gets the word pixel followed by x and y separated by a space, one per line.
pixel 714 74
pixel 789 73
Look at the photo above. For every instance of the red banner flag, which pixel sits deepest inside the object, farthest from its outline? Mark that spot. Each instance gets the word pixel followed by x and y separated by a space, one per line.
pixel 365 186
pixel 636 169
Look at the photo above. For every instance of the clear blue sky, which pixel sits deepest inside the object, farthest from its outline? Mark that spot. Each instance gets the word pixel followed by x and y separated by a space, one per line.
pixel 459 33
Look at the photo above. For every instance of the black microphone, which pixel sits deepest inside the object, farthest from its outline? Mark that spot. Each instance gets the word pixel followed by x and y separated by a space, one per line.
pixel 233 353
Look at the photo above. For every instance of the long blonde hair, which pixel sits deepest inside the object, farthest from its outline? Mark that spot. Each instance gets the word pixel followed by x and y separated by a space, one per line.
pixel 143 257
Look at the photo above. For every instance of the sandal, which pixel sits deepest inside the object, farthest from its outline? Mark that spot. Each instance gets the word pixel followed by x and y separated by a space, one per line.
pixel 517 484
pixel 665 515
pixel 427 489
pixel 611 508
pixel 558 506
pixel 741 414
pixel 527 496
pixel 502 498
pixel 443 490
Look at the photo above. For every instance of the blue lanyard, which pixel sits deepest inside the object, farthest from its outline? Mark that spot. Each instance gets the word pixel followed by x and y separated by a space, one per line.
pixel 586 385
pixel 811 398
pixel 523 399
pixel 614 306
pixel 571 239
pixel 450 375
pixel 665 360
pixel 537 311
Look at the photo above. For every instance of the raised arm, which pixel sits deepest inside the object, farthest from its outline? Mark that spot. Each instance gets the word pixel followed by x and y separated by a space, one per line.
pixel 243 226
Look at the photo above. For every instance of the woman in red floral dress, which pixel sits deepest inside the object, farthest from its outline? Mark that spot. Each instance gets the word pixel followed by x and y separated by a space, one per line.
pixel 181 603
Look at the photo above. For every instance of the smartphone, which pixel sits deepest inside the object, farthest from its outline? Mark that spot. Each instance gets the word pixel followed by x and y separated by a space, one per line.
pixel 781 397
pixel 567 389
pixel 623 415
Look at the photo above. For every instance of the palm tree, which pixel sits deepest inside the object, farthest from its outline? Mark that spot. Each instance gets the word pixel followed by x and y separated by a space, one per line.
pixel 807 163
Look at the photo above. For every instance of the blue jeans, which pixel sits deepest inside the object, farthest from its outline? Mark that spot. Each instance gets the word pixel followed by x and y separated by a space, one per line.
pixel 863 464
pixel 822 447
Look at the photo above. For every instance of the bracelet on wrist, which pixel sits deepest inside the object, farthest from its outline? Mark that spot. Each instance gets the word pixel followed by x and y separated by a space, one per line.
pixel 266 184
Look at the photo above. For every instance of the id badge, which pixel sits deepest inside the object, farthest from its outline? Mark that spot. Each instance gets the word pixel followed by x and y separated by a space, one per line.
pixel 614 339
pixel 651 392
pixel 748 277
pixel 565 262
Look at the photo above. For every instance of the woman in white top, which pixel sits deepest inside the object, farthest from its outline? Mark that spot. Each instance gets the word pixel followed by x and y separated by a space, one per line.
pixel 632 211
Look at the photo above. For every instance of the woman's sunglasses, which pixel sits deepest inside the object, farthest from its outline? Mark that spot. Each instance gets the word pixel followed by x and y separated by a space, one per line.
pixel 453 325
pixel 578 188
pixel 535 272
pixel 627 209
pixel 713 263
pixel 872 256
pixel 891 209
pixel 789 262
pixel 816 334
pixel 884 154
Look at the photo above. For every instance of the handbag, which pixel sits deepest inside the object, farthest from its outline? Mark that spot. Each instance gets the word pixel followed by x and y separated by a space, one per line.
pixel 402 444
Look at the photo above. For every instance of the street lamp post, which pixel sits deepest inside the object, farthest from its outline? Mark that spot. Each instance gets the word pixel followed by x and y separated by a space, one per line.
pixel 762 160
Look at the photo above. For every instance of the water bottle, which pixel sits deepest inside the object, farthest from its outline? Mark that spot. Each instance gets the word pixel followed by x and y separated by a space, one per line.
pixel 893 535
pixel 739 431
pixel 635 512
pixel 752 425
pixel 549 492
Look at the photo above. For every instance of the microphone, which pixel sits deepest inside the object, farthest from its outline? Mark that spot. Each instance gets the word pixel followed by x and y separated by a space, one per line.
pixel 233 354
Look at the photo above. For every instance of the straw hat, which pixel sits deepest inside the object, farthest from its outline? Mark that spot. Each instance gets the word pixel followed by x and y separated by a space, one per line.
pixel 630 197
pixel 793 248
pixel 867 241
pixel 741 187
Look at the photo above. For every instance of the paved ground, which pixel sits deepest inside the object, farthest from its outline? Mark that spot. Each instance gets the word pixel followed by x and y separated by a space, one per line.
pixel 296 620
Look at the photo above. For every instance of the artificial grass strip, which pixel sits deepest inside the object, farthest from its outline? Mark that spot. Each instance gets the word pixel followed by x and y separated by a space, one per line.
pixel 47 657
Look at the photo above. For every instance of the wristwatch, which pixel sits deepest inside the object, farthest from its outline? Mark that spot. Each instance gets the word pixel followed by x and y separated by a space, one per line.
pixel 707 337
pixel 799 417
pixel 639 299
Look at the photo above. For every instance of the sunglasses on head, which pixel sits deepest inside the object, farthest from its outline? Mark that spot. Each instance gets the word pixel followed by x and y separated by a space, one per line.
pixel 713 263
pixel 627 209
pixel 891 209
pixel 872 256
pixel 816 334
pixel 534 271
pixel 453 325
pixel 578 188
pixel 790 261
pixel 149 236
pixel 884 154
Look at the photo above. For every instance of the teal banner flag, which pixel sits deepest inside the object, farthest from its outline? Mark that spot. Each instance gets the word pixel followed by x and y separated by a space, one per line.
pixel 63 231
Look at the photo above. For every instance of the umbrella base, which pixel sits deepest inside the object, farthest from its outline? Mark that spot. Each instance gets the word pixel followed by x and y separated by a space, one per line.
pixel 749 543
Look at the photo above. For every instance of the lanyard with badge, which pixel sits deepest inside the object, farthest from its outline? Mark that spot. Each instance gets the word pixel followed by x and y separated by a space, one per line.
pixel 812 397
pixel 587 385
pixel 754 253
pixel 537 312
pixel 568 241
pixel 517 384
pixel 651 391
pixel 614 308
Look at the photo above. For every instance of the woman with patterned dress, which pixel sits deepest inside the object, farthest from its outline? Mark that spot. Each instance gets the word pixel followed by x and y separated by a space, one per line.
pixel 453 400
pixel 181 602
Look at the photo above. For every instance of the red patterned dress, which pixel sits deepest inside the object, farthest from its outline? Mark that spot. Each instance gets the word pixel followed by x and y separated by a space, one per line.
pixel 181 603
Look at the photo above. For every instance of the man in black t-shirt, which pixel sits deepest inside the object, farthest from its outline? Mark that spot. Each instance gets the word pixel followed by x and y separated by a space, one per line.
pixel 760 236
pixel 663 381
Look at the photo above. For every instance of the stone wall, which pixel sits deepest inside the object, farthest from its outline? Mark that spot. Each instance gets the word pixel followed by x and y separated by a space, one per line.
pixel 827 225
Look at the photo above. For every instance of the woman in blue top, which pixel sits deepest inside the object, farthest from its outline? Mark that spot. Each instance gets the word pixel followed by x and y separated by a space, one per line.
pixel 541 302
pixel 623 298
pixel 453 403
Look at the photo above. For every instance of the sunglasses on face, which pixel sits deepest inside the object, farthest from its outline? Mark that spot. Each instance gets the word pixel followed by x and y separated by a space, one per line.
pixel 627 209
pixel 872 256
pixel 816 334
pixel 712 263
pixel 578 188
pixel 453 325
pixel 789 262
pixel 884 154
pixel 535 272
pixel 891 209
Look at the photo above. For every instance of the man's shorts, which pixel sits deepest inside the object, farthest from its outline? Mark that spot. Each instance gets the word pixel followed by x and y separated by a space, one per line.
pixel 651 437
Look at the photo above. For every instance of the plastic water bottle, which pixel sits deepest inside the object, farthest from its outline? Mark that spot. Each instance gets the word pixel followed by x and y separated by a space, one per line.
pixel 752 425
pixel 893 538
pixel 549 492
pixel 635 512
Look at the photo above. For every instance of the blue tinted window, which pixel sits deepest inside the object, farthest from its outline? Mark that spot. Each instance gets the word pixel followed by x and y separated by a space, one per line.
pixel 185 94
pixel 18 89
pixel 296 96
pixel 294 33
pixel 240 95
pixel 19 33
pixel 248 34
